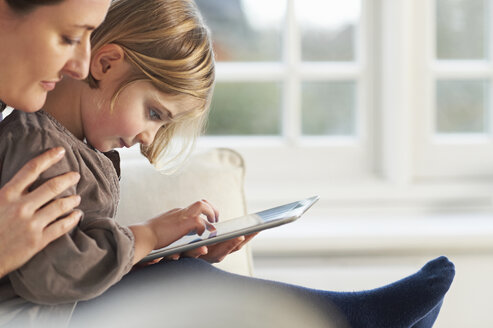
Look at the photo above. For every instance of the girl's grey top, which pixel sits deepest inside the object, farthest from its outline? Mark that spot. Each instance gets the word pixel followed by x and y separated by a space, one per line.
pixel 96 254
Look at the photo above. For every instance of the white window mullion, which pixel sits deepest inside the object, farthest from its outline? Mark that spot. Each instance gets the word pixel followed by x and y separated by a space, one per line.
pixel 489 12
pixel 426 131
pixel 291 105
pixel 462 70
pixel 397 94
pixel 365 82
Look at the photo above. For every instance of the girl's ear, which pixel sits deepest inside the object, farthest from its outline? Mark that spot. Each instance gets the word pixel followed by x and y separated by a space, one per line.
pixel 107 59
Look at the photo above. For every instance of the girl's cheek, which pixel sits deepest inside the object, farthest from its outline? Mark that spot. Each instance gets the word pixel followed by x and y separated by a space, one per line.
pixel 132 128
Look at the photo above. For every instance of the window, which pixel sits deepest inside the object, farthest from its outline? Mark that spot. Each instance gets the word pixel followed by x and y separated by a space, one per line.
pixel 278 62
pixel 456 138
pixel 292 85
pixel 369 103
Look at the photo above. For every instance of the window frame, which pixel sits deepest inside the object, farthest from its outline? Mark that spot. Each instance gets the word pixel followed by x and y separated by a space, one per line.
pixel 441 156
pixel 317 157
pixel 389 165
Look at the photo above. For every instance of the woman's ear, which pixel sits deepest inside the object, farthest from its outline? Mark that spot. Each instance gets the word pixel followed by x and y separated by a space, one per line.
pixel 107 59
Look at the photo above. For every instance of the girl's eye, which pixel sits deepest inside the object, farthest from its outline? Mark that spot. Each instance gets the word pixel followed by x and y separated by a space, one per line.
pixel 154 115
pixel 70 41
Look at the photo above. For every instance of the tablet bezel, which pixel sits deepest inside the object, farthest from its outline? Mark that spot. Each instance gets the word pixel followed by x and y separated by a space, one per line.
pixel 165 251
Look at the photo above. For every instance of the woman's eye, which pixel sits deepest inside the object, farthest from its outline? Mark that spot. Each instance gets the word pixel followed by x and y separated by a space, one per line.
pixel 154 114
pixel 70 41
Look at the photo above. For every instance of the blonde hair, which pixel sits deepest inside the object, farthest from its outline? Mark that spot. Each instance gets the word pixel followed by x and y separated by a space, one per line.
pixel 167 44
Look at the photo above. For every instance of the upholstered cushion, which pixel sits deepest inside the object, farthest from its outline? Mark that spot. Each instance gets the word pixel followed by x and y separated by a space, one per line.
pixel 216 175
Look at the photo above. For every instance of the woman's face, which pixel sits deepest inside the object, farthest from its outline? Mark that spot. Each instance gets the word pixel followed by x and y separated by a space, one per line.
pixel 39 47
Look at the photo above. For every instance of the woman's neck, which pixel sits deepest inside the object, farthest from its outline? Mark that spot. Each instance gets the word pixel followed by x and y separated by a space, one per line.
pixel 64 104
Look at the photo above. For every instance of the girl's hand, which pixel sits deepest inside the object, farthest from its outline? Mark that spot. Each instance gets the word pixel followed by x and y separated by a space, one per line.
pixel 26 224
pixel 171 226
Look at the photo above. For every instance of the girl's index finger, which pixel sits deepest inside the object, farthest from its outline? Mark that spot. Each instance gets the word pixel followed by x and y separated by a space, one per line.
pixel 32 169
pixel 202 208
pixel 216 212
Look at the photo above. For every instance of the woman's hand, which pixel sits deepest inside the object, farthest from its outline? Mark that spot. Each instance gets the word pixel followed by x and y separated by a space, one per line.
pixel 26 224
pixel 216 252
pixel 171 226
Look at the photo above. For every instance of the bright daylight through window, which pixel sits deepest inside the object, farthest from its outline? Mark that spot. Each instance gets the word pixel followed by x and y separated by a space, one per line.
pixel 275 38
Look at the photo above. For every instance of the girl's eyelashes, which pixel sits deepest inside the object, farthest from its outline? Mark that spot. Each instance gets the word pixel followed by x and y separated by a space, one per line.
pixel 154 114
pixel 69 41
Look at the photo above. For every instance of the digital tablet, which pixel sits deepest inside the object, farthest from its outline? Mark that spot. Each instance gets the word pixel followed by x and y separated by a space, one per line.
pixel 236 227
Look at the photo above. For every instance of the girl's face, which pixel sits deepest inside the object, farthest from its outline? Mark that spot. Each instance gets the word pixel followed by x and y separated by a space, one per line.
pixel 42 46
pixel 140 110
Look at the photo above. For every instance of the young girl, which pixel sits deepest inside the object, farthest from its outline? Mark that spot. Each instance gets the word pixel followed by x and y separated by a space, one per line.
pixel 151 80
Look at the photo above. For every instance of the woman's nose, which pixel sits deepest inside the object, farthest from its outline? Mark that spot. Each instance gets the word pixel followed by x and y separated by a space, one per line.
pixel 77 66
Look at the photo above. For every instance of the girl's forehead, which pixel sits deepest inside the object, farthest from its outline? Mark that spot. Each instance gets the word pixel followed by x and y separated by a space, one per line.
pixel 179 98
pixel 177 104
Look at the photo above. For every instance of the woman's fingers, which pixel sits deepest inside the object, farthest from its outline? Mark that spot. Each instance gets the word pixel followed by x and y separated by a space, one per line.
pixel 173 257
pixel 246 240
pixel 52 188
pixel 60 227
pixel 57 208
pixel 196 252
pixel 32 169
pixel 217 252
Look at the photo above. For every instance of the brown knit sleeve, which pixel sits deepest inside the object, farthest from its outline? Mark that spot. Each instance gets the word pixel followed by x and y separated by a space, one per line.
pixel 98 252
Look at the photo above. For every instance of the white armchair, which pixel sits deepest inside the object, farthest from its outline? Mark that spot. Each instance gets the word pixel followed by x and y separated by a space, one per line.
pixel 216 175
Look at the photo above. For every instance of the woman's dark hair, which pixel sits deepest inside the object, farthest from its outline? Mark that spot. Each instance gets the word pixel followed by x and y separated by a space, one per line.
pixel 25 6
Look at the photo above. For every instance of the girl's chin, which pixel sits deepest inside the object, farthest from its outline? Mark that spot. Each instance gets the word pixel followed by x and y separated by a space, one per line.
pixel 103 148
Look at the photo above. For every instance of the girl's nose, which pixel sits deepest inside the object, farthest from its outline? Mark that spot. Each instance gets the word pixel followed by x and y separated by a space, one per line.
pixel 147 137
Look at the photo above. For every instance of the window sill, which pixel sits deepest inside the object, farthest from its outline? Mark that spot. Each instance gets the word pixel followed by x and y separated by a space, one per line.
pixel 314 236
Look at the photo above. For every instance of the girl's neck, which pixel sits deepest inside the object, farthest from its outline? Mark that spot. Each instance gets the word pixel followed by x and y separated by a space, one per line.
pixel 64 104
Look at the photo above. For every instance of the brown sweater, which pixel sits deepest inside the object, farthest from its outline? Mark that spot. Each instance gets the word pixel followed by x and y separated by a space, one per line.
pixel 98 252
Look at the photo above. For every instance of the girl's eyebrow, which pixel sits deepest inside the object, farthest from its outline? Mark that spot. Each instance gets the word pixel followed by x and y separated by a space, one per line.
pixel 87 27
pixel 163 109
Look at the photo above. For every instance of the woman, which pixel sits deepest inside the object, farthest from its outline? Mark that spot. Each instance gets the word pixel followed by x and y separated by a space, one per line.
pixel 41 41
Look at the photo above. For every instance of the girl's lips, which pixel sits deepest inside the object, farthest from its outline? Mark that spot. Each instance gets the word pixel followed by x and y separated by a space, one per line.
pixel 48 86
pixel 123 144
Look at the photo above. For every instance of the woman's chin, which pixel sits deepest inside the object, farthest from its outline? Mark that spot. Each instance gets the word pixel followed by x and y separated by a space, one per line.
pixel 28 105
